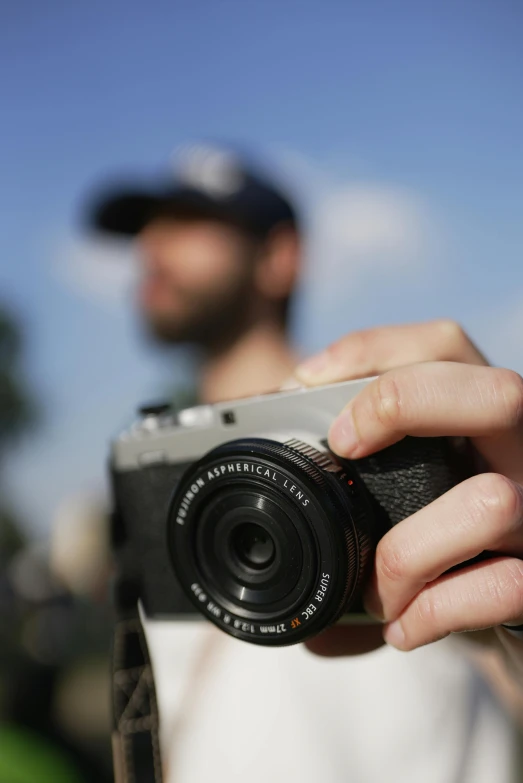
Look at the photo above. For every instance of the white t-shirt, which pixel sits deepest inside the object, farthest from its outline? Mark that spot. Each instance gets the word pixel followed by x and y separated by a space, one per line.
pixel 237 713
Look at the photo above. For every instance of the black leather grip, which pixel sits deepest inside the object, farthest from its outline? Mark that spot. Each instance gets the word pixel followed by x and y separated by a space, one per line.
pixel 412 473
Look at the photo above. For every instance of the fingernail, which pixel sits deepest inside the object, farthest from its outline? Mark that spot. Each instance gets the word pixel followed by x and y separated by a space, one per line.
pixel 290 384
pixel 394 635
pixel 310 369
pixel 343 438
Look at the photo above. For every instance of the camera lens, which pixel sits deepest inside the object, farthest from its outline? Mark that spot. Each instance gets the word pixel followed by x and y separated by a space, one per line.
pixel 269 539
pixel 248 550
pixel 252 546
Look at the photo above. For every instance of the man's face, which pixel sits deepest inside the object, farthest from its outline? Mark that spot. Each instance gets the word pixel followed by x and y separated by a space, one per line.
pixel 197 277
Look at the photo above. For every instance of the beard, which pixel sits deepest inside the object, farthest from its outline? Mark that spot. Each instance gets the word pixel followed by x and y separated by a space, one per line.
pixel 208 320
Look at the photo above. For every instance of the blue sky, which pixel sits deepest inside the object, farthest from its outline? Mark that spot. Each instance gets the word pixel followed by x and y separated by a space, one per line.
pixel 399 124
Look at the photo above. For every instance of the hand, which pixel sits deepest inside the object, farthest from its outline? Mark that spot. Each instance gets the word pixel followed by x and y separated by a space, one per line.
pixel 449 390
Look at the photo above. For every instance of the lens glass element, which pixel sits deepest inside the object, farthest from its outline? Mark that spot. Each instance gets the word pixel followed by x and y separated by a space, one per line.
pixel 252 546
pixel 248 548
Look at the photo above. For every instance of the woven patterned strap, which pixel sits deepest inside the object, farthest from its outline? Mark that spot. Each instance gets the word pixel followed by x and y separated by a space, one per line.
pixel 136 745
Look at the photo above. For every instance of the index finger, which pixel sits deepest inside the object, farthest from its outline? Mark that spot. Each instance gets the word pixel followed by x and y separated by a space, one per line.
pixel 374 351
pixel 433 399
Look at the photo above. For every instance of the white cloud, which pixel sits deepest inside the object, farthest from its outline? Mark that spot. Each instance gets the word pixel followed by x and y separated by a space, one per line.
pixel 371 226
pixel 358 228
pixel 374 249
pixel 99 270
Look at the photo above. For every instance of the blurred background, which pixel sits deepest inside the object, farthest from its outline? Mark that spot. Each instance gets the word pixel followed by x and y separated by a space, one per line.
pixel 399 130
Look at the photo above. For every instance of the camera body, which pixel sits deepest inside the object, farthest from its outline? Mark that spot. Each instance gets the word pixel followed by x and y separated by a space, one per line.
pixel 239 513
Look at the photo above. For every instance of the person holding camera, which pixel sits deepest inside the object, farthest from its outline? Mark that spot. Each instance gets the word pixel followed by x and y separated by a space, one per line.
pixel 220 258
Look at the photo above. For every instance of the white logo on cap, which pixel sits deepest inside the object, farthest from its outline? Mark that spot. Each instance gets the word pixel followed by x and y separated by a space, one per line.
pixel 211 170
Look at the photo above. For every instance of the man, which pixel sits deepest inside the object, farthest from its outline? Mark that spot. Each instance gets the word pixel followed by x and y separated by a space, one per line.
pixel 218 272
pixel 220 255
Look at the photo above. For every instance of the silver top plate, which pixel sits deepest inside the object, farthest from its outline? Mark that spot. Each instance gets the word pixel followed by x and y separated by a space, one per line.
pixel 188 435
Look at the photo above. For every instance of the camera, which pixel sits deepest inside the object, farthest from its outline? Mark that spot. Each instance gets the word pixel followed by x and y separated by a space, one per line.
pixel 239 513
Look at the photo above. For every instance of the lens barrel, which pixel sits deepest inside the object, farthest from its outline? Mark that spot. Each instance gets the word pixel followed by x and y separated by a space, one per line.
pixel 270 540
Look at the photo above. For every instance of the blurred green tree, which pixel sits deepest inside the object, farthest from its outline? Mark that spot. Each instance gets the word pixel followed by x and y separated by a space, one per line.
pixel 17 410
pixel 17 415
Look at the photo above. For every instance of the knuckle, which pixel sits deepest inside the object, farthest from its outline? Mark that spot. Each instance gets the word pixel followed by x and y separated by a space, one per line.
pixel 498 499
pixel 509 389
pixel 451 333
pixel 426 610
pixel 391 562
pixel 340 350
pixel 353 348
pixel 386 400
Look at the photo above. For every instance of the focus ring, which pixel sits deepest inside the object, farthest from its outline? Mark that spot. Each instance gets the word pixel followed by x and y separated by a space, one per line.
pixel 357 539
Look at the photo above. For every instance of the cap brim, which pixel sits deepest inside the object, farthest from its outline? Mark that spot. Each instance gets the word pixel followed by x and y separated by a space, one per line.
pixel 127 212
pixel 124 212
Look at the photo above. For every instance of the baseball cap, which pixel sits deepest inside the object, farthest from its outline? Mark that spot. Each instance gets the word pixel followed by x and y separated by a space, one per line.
pixel 205 181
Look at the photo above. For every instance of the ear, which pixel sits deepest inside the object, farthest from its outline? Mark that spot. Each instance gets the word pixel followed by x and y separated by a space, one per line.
pixel 278 265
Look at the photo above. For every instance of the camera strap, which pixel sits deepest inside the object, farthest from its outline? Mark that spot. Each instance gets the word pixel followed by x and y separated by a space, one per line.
pixel 135 739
